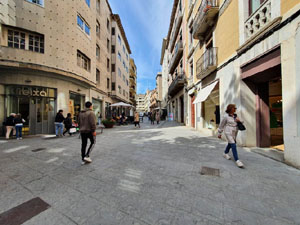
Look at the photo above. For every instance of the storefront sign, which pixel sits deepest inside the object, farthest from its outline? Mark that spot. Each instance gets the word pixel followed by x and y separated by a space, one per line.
pixel 31 91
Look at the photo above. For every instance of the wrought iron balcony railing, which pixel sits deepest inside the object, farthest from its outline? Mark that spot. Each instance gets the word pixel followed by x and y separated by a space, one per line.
pixel 205 18
pixel 207 63
pixel 177 84
pixel 176 56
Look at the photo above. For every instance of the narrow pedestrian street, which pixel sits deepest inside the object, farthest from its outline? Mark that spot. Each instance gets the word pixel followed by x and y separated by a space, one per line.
pixel 145 176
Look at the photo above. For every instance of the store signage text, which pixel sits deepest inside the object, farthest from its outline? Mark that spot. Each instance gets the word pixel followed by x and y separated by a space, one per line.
pixel 32 91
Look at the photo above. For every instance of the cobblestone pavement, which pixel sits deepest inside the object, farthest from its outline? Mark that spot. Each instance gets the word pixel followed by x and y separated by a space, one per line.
pixel 146 176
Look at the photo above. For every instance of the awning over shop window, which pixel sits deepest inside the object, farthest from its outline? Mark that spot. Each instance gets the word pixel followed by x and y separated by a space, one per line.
pixel 205 92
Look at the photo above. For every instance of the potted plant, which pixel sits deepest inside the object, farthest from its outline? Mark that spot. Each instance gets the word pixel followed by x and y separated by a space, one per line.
pixel 108 123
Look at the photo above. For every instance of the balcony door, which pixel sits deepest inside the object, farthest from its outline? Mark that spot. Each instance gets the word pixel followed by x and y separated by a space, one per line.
pixel 254 5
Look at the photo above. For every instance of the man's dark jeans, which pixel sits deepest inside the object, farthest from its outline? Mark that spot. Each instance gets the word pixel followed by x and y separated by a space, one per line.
pixel 84 140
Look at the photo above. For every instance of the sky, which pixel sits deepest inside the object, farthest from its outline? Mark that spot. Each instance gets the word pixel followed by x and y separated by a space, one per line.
pixel 146 23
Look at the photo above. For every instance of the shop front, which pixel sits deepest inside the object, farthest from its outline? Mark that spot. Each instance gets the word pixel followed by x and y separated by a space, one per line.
pixel 209 99
pixel 97 107
pixel 76 104
pixel 37 105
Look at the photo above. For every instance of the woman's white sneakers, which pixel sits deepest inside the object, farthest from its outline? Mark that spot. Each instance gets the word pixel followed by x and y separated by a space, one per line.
pixel 239 164
pixel 226 156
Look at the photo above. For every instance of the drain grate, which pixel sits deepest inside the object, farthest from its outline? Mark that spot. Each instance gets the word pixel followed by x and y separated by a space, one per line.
pixel 209 171
pixel 22 213
pixel 38 149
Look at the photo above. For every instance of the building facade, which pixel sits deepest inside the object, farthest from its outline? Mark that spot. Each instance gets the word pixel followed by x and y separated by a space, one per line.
pixel 140 103
pixel 120 62
pixel 132 82
pixel 245 53
pixel 54 55
pixel 176 41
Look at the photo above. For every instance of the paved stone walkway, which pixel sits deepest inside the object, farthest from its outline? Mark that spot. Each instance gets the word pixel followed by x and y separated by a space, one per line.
pixel 146 176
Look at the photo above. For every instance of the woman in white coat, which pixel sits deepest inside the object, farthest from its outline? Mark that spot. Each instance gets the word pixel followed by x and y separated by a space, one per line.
pixel 229 126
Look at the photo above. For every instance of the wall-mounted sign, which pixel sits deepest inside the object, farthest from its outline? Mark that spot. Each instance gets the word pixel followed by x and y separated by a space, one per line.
pixel 31 91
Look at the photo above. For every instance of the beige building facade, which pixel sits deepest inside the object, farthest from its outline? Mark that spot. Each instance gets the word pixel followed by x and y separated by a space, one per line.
pixel 120 62
pixel 54 55
pixel 132 82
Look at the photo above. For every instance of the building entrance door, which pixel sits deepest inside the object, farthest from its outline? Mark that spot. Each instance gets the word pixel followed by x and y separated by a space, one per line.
pixel 42 115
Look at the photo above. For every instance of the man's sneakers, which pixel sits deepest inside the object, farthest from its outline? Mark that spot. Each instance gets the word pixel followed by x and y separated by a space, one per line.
pixel 239 164
pixel 226 156
pixel 87 159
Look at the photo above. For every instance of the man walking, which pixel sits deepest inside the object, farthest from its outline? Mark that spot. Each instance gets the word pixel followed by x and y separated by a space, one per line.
pixel 87 127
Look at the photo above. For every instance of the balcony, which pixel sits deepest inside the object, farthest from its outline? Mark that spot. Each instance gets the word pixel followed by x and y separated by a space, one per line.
pixel 176 28
pixel 176 56
pixel 205 18
pixel 207 63
pixel 258 20
pixel 177 84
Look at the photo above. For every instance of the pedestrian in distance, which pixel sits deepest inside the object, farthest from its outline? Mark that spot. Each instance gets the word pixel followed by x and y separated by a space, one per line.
pixel 10 125
pixel 59 123
pixel 137 119
pixel 19 125
pixel 153 117
pixel 68 124
pixel 230 128
pixel 87 126
pixel 157 117
pixel 99 118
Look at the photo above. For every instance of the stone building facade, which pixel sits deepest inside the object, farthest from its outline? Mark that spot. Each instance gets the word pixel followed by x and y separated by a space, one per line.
pixel 54 55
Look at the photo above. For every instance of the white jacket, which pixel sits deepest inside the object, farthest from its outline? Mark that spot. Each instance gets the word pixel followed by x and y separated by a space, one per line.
pixel 229 126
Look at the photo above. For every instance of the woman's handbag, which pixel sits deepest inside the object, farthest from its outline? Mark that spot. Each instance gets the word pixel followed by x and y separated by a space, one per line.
pixel 241 126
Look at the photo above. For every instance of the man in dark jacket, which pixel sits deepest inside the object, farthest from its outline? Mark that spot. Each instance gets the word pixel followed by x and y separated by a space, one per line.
pixel 87 126
pixel 59 123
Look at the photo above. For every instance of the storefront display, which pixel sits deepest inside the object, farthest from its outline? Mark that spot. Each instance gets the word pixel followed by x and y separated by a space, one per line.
pixel 37 105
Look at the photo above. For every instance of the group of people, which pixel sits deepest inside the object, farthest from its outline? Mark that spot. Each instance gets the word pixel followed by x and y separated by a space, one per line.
pixel 14 123
pixel 154 116
pixel 61 122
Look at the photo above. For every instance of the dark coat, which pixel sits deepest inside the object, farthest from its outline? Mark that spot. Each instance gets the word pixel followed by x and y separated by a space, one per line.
pixel 59 118
pixel 68 122
pixel 10 121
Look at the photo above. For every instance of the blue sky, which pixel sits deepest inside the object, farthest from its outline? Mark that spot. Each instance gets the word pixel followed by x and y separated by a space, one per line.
pixel 146 23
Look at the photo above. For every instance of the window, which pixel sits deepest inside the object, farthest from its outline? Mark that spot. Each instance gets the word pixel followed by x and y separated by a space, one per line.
pixel 83 25
pixel 83 61
pixel 113 67
pixel 113 31
pixel 127 82
pixel 119 39
pixel 16 39
pixel 36 43
pixel 88 2
pixel 124 64
pixel 107 83
pixel 254 5
pixel 98 6
pixel 124 49
pixel 107 43
pixel 38 2
pixel 191 70
pixel 97 52
pixel 119 56
pixel 123 78
pixel 98 29
pixel 107 64
pixel 119 72
pixel 113 86
pixel 107 24
pixel 113 49
pixel 120 89
pixel 97 76
pixel 126 56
